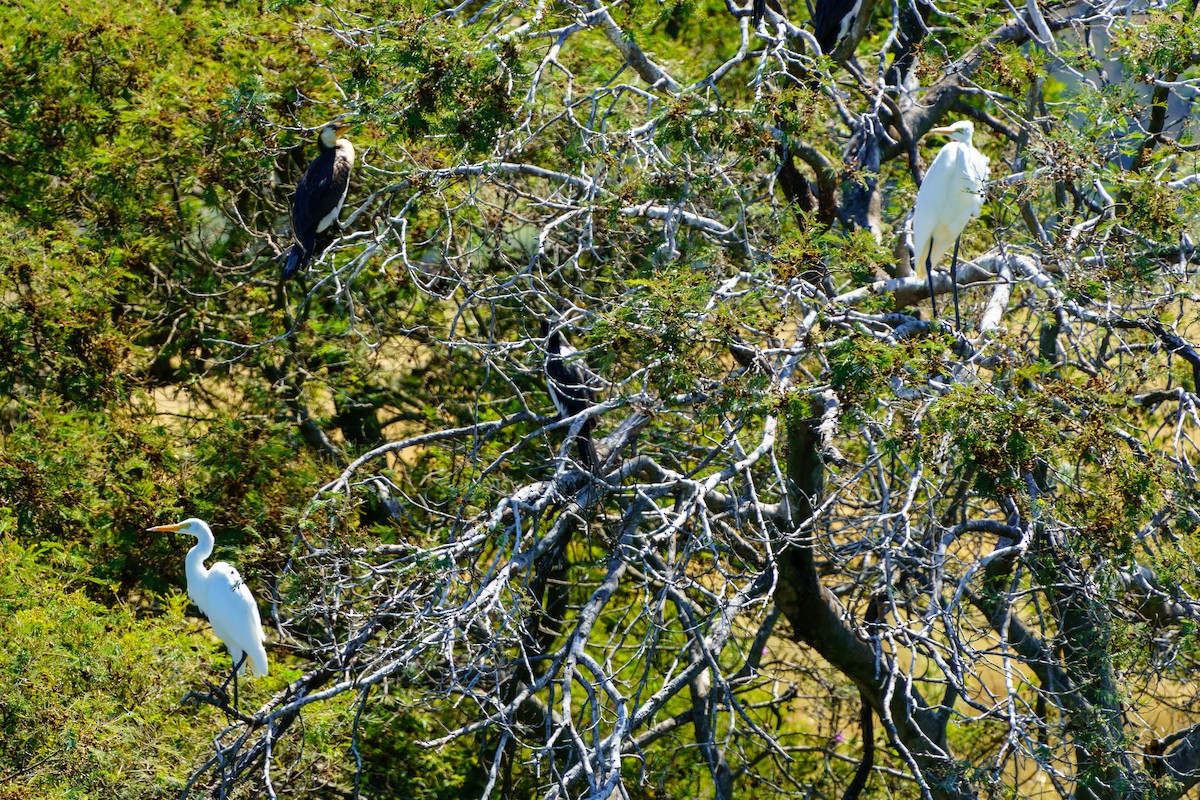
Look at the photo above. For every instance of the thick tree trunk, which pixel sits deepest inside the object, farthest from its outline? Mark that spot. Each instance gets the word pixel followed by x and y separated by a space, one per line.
pixel 817 619
pixel 862 197
pixel 1102 751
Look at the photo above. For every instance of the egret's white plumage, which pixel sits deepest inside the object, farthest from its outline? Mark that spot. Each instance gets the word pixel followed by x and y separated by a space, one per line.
pixel 951 195
pixel 223 597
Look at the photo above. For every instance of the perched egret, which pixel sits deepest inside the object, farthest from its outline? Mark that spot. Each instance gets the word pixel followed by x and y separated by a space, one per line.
pixel 569 388
pixel 950 196
pixel 320 195
pixel 224 598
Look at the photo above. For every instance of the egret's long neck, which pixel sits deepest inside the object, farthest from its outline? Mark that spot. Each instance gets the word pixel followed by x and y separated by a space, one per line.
pixel 193 564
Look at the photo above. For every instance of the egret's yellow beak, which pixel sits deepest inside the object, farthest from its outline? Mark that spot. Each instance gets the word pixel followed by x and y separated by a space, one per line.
pixel 944 131
pixel 174 528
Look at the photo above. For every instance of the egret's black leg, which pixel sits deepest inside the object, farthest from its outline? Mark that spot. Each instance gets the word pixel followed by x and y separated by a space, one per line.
pixel 929 272
pixel 233 677
pixel 236 667
pixel 954 285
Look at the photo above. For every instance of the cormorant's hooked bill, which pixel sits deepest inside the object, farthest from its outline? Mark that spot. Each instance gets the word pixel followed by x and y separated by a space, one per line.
pixel 320 194
pixel 570 390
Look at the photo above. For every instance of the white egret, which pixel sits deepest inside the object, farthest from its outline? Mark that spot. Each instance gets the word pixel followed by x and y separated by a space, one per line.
pixel 224 598
pixel 950 196
pixel 320 195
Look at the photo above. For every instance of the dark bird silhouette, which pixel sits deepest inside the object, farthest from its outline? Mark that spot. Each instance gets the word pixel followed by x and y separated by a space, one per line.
pixel 570 390
pixel 319 195
pixel 833 20
pixel 758 11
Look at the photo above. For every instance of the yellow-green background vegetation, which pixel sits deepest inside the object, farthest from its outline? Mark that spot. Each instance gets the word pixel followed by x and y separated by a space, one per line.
pixel 153 368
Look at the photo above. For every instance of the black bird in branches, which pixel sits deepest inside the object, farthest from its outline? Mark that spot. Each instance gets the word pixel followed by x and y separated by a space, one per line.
pixel 320 195
pixel 570 390
pixel 758 11
pixel 832 20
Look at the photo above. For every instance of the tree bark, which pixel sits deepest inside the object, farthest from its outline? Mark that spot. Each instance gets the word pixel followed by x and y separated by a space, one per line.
pixel 916 729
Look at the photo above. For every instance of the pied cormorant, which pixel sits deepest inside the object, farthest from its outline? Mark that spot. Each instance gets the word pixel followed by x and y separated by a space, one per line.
pixel 320 195
pixel 570 390
pixel 832 20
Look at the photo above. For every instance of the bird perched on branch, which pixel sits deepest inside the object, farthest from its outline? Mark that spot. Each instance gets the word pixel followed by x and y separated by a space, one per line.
pixel 224 598
pixel 757 11
pixel 569 387
pixel 832 20
pixel 951 195
pixel 320 194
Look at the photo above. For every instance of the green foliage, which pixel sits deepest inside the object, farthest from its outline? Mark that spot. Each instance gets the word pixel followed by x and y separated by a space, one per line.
pixel 1118 486
pixel 89 479
pixel 1002 440
pixel 90 692
pixel 797 108
pixel 801 254
pixel 856 255
pixel 97 480
pixel 57 332
pixel 1153 211
pixel 90 90
pixel 1014 67
pixel 861 368
pixel 1168 40
pixel 152 368
pixel 657 322
pixel 426 80
pixel 112 140
pixel 392 738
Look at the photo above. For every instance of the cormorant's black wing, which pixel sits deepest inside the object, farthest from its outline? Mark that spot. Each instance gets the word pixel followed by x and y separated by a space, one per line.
pixel 569 386
pixel 829 18
pixel 316 196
